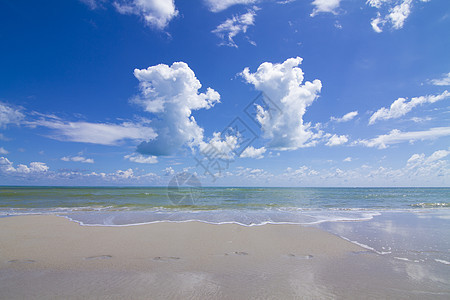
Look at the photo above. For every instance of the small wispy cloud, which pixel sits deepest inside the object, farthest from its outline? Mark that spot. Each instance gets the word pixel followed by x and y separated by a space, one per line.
pixel 155 13
pixel 94 133
pixel 336 140
pixel 141 159
pixel 10 115
pixel 233 26
pixel 391 12
pixel 401 106
pixel 6 166
pixel 251 152
pixel 396 136
pixel 443 81
pixel 325 6
pixel 3 151
pixel 345 118
pixel 93 4
pixel 78 159
pixel 220 5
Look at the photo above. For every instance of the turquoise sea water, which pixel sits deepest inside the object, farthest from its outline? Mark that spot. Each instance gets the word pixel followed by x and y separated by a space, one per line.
pixel 209 198
pixel 247 206
pixel 405 223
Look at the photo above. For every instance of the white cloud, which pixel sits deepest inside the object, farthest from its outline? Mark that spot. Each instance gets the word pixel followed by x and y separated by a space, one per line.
pixel 34 167
pixel 124 174
pixel 347 159
pixel 392 12
pixel 219 5
pixel 6 165
pixel 445 80
pixel 142 159
pixel 396 136
pixel 303 171
pixel 252 173
pixel 40 172
pixel 421 120
pixel 337 140
pixel 440 154
pixel 93 4
pixel 78 159
pixel 95 133
pixel 3 151
pixel 399 13
pixel 233 26
pixel 218 146
pixel 128 176
pixel 377 3
pixel 419 170
pixel 285 1
pixel 9 115
pixel 416 157
pixel 283 84
pixel 172 93
pixel 431 166
pixel 345 118
pixel 118 175
pixel 400 107
pixel 168 171
pixel 422 159
pixel 155 13
pixel 377 23
pixel 252 152
pixel 326 6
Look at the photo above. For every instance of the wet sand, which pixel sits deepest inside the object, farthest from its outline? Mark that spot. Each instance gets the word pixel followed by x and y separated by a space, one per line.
pixel 50 257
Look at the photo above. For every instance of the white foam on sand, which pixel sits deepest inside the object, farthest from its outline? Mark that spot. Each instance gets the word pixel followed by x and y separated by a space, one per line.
pixel 442 261
pixel 240 217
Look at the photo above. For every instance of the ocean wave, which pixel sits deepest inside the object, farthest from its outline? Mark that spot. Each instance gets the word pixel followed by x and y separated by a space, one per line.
pixel 442 261
pixel 240 217
pixel 430 205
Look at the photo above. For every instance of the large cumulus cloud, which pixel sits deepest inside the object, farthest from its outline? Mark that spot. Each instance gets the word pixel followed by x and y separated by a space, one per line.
pixel 283 84
pixel 171 93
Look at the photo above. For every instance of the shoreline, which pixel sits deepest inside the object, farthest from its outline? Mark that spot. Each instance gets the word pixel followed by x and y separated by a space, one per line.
pixel 58 258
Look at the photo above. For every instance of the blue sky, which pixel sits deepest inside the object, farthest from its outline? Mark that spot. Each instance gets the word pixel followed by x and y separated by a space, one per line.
pixel 236 92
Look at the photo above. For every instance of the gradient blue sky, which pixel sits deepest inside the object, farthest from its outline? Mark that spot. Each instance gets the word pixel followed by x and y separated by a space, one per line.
pixel 131 92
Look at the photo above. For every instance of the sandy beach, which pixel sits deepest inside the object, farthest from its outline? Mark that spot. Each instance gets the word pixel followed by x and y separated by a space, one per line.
pixel 50 257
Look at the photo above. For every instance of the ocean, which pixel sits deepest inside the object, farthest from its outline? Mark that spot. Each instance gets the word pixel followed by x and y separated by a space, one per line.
pixel 405 223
